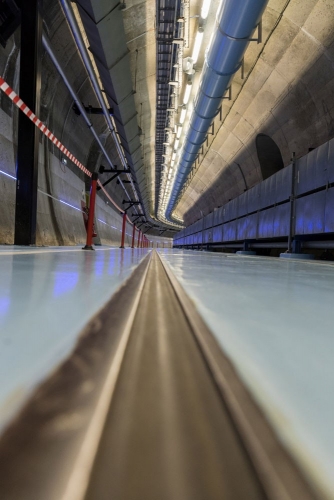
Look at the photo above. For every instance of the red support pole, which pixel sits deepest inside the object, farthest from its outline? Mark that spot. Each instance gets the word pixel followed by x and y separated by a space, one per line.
pixel 123 230
pixel 139 233
pixel 90 223
pixel 133 236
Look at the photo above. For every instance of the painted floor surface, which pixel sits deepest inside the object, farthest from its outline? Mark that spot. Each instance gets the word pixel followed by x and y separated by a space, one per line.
pixel 47 295
pixel 274 319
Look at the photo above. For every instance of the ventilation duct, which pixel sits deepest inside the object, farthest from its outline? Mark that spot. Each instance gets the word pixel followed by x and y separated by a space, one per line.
pixel 236 20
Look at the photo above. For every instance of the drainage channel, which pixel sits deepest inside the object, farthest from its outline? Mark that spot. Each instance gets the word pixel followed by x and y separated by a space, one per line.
pixel 146 408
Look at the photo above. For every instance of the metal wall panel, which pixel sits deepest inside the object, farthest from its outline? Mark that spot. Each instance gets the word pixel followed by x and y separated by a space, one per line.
pixel 283 184
pixel 217 234
pixel 230 231
pixel 208 220
pixel 312 171
pixel 330 164
pixel 242 225
pixel 253 200
pixel 322 164
pixel 282 220
pixel 218 216
pixel 242 205
pixel 266 223
pixel 267 192
pixel 310 214
pixel 227 210
pixel 329 211
pixel 252 226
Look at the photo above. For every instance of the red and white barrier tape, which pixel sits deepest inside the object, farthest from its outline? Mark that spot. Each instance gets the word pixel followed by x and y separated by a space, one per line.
pixel 43 128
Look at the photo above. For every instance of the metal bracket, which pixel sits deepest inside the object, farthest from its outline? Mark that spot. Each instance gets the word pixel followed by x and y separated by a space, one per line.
pixel 91 110
pixel 259 33
pixel 116 174
pixel 229 97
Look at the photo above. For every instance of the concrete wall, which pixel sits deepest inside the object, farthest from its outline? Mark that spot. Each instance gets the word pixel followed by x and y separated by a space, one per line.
pixel 58 223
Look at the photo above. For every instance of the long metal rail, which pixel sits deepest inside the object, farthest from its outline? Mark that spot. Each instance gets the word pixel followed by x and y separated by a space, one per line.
pixel 147 407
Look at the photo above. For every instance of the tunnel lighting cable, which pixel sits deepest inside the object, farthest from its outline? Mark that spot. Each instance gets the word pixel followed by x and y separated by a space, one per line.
pixel 197 45
pixel 205 8
pixel 187 93
pixel 196 50
pixel 183 114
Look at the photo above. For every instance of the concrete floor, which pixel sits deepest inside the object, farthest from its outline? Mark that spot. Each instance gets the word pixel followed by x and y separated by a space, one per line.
pixel 274 319
pixel 47 295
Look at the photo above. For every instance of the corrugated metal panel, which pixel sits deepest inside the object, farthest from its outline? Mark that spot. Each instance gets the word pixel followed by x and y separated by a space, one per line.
pixel 254 198
pixel 310 214
pixel 329 211
pixel 227 211
pixel 242 204
pixel 302 177
pixel 208 220
pixel 283 184
pixel 218 216
pixel 252 227
pixel 266 223
pixel 267 192
pixel 282 220
pixel 230 231
pixel 218 234
pixel 312 171
pixel 331 160
pixel 208 235
pixel 242 225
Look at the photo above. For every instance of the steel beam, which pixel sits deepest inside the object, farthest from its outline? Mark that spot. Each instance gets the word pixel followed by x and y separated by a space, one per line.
pixel 28 134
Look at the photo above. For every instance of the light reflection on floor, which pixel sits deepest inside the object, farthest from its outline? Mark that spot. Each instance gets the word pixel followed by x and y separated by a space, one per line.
pixel 47 295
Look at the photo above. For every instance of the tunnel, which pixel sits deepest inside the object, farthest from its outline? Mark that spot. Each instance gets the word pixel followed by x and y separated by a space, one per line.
pixel 166 249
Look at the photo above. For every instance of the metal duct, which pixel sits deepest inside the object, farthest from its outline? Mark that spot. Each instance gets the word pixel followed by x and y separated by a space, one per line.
pixel 236 20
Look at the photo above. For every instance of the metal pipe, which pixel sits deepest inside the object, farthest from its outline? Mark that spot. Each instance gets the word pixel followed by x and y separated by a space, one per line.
pixel 236 21
pixel 48 48
pixel 69 14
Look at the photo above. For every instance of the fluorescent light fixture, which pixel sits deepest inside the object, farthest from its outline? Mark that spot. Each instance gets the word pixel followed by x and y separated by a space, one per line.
pixel 205 8
pixel 179 132
pixel 69 205
pixel 197 45
pixel 187 93
pixel 173 156
pixel 176 143
pixel 7 175
pixel 183 114
pixel 172 163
